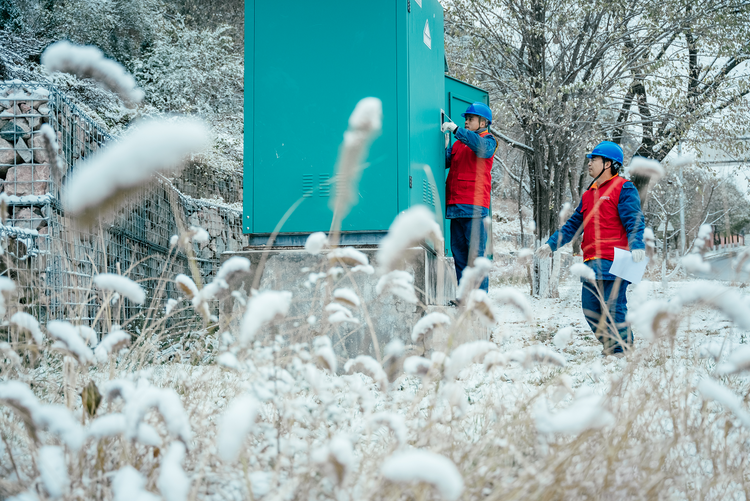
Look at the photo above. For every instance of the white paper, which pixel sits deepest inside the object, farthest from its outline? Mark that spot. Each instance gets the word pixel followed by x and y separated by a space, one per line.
pixel 624 267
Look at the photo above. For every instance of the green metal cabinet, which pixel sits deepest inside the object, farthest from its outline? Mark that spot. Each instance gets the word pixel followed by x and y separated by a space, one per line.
pixel 307 64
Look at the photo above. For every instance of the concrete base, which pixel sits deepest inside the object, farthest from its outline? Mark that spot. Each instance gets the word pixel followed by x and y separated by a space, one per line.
pixel 382 317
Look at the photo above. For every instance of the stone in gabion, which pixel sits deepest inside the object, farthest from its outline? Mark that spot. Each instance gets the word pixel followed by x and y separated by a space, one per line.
pixel 7 155
pixel 79 145
pixel 194 219
pixel 10 112
pixel 206 253
pixel 27 179
pixel 13 131
pixel 221 246
pixel 38 150
pixel 212 222
pixel 34 119
pixel 24 125
pixel 23 151
pixel 26 218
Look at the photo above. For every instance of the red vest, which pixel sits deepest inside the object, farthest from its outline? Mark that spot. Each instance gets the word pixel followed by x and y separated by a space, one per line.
pixel 602 227
pixel 470 177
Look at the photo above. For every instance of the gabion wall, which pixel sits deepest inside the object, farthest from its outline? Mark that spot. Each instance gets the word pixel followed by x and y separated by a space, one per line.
pixel 51 261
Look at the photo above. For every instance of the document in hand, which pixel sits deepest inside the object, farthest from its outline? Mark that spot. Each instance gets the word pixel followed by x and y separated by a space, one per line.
pixel 624 267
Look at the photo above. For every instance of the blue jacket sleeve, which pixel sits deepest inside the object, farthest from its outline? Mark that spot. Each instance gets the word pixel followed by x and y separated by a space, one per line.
pixel 568 231
pixel 629 208
pixel 484 147
pixel 448 153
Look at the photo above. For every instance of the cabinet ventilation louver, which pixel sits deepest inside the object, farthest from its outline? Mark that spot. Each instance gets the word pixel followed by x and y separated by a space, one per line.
pixel 308 184
pixel 428 197
pixel 326 185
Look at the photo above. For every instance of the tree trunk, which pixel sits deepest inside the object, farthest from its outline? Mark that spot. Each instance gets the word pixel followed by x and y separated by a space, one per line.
pixel 664 279
pixel 549 168
pixel 542 274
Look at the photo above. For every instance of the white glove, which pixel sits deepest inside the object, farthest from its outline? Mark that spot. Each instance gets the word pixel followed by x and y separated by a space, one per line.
pixel 449 127
pixel 543 251
pixel 638 255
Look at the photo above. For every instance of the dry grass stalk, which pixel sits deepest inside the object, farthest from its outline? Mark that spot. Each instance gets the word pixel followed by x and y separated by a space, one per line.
pixel 365 124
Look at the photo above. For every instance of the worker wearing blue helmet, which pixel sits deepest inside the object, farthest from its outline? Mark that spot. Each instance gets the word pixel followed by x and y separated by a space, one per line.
pixel 611 217
pixel 468 185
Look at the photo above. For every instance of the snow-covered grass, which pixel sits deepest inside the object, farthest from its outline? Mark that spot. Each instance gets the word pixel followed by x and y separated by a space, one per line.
pixel 89 62
pixel 151 147
pixel 530 414
pixel 247 413
pixel 411 227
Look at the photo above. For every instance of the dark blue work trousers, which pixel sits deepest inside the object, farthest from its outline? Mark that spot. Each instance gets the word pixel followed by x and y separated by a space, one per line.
pixel 615 337
pixel 461 244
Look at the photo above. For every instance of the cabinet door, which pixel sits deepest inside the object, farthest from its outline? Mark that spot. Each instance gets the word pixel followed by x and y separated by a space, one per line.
pixel 312 63
pixel 426 98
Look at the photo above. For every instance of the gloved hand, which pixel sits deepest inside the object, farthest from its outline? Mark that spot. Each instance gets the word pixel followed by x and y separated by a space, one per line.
pixel 449 126
pixel 638 255
pixel 543 251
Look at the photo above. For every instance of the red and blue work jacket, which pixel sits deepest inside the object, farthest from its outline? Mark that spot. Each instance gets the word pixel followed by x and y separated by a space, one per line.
pixel 470 160
pixel 611 217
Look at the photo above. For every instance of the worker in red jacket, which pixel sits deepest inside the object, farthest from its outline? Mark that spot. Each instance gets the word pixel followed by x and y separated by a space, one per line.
pixel 467 189
pixel 611 216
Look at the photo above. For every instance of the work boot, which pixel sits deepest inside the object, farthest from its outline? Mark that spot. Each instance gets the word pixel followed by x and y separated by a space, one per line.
pixel 616 354
pixel 608 346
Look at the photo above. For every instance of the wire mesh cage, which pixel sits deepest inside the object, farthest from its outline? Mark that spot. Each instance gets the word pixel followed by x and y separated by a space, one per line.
pixel 53 262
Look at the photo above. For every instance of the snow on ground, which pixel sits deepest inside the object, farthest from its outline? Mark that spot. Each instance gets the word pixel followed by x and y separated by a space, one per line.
pixel 506 226
pixel 587 375
pixel 583 353
pixel 508 423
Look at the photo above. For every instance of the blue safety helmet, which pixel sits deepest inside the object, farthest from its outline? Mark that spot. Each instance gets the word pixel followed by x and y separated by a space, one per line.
pixel 479 109
pixel 608 150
